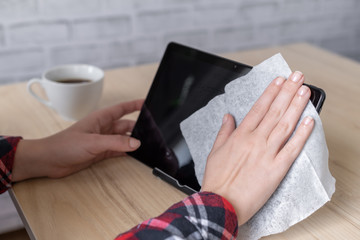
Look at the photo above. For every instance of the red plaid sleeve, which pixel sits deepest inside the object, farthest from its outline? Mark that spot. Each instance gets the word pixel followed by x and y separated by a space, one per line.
pixel 202 215
pixel 7 153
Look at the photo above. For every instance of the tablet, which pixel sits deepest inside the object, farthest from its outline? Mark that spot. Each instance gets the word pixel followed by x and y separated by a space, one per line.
pixel 186 80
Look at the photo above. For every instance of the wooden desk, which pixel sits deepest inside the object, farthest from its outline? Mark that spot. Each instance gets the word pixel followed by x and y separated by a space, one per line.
pixel 116 194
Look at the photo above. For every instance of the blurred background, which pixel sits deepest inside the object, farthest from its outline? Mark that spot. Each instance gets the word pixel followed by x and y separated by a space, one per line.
pixel 38 34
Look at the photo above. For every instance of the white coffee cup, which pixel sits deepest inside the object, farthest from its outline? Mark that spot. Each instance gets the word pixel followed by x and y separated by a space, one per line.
pixel 68 95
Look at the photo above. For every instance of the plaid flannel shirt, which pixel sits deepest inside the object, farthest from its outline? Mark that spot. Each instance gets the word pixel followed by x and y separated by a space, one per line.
pixel 7 153
pixel 202 215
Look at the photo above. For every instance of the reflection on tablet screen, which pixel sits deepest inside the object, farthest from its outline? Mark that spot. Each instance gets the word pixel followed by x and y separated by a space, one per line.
pixel 187 79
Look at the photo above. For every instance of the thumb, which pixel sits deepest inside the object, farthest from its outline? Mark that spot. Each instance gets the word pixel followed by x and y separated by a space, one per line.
pixel 118 143
pixel 227 127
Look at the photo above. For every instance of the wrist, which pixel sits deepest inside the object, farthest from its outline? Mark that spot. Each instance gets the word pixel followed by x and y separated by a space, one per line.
pixel 28 160
pixel 232 199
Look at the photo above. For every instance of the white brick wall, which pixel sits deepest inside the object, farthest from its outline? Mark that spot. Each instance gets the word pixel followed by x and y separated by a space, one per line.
pixel 9 220
pixel 38 34
pixel 15 59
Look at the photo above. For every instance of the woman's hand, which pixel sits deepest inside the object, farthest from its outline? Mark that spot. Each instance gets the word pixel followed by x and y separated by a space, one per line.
pixel 100 135
pixel 247 164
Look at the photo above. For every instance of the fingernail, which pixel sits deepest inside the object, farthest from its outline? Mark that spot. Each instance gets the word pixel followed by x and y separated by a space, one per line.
pixel 308 120
pixel 296 76
pixel 279 81
pixel 225 118
pixel 303 90
pixel 134 143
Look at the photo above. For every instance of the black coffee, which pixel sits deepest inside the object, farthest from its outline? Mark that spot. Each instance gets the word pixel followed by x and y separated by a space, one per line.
pixel 73 80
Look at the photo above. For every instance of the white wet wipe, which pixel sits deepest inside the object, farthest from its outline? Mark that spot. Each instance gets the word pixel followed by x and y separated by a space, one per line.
pixel 307 186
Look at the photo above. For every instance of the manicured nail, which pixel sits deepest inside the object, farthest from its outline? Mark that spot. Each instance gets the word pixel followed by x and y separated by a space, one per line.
pixel 296 76
pixel 225 118
pixel 308 120
pixel 303 90
pixel 279 81
pixel 134 143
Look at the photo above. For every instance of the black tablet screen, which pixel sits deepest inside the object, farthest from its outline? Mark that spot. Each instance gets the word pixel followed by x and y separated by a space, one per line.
pixel 185 81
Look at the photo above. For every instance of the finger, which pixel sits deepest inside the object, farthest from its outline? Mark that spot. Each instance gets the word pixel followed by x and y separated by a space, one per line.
pixel 227 127
pixel 116 143
pixel 293 147
pixel 262 105
pixel 123 126
pixel 117 111
pixel 281 103
pixel 288 122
